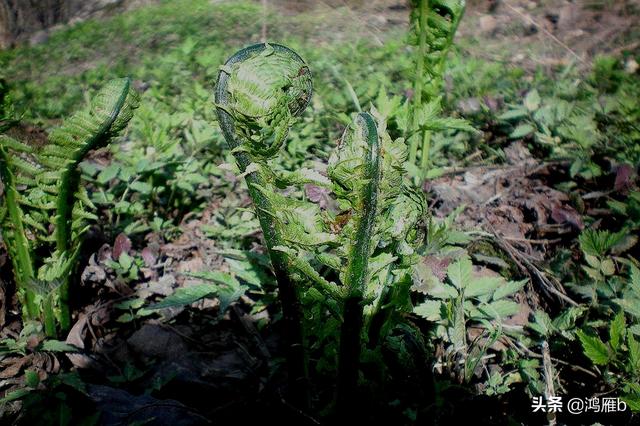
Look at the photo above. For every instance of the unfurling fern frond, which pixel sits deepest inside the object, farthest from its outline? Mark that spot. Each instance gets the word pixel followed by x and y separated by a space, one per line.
pixel 44 202
pixel 433 27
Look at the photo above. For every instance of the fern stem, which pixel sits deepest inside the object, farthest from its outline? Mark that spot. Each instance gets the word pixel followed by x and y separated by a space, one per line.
pixel 266 213
pixel 425 160
pixel 18 243
pixel 69 185
pixel 418 83
pixel 357 268
pixel 49 316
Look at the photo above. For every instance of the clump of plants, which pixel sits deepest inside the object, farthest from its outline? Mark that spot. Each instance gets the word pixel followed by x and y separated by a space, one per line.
pixel 45 209
pixel 352 255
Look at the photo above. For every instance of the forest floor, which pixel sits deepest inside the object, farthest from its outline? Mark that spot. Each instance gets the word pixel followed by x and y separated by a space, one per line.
pixel 517 197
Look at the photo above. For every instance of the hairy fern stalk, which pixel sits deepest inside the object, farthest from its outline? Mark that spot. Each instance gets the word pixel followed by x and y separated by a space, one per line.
pixel 368 243
pixel 433 27
pixel 46 210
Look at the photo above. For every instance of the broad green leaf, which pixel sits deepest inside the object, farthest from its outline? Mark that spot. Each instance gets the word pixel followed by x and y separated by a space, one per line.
pixel 496 310
pixel 482 286
pixel 187 295
pixel 634 351
pixel 617 331
pixel 459 273
pixel 568 318
pixel 630 306
pixel 594 348
pixel 542 323
pixel 508 289
pixel 141 187
pixel 430 310
pixel 57 346
pixel 513 114
pixel 521 131
pixel 108 173
pixel 125 261
pixel 532 100
pixel 442 291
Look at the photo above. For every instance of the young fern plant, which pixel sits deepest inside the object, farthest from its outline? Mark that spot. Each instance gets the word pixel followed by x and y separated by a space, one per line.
pixel 368 241
pixel 259 92
pixel 433 27
pixel 46 210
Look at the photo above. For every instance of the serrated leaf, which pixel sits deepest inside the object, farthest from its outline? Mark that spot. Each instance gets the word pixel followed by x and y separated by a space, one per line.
pixel 508 289
pixel 532 100
pixel 542 323
pixel 617 330
pixel 568 318
pixel 108 173
pixel 482 286
pixel 459 273
pixel 521 131
pixel 594 348
pixel 57 346
pixel 634 351
pixel 497 310
pixel 630 306
pixel 187 295
pixel 430 310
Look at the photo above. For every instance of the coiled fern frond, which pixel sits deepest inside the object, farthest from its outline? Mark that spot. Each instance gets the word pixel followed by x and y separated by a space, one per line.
pixel 45 206
pixel 433 27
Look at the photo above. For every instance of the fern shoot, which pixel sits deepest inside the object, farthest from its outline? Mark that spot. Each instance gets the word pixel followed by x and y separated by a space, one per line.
pixel 43 192
pixel 433 27
pixel 259 92
pixel 367 243
pixel 360 144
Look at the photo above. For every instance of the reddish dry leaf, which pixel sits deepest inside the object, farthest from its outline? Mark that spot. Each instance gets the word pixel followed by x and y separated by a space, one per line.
pixel 438 265
pixel 567 214
pixel 122 244
pixel 318 195
pixel 624 177
pixel 149 257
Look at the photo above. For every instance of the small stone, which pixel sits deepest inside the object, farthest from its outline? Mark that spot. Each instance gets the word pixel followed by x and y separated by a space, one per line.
pixel 487 24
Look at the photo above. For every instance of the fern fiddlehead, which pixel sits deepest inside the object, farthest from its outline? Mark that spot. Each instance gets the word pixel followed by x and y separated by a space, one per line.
pixel 51 196
pixel 368 242
pixel 433 27
pixel 259 92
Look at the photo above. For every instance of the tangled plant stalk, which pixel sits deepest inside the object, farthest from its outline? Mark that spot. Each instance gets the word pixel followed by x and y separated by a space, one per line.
pixel 45 209
pixel 368 240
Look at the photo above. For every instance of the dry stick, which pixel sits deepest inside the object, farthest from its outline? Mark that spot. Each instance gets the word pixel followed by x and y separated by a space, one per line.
pixel 519 347
pixel 544 30
pixel 549 390
pixel 528 267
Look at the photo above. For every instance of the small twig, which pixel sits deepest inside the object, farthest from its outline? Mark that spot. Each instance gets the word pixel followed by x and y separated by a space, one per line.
pixel 529 268
pixel 520 348
pixel 251 330
pixel 549 390
pixel 527 240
